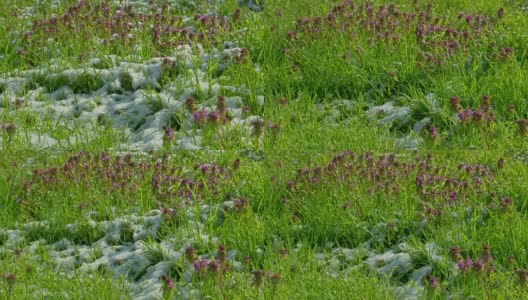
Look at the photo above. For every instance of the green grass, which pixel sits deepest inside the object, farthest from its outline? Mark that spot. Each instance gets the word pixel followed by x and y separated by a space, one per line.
pixel 288 201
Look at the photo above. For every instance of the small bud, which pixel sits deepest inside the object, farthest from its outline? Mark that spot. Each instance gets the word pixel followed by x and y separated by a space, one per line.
pixel 511 108
pixel 432 282
pixel 274 128
pixel 222 255
pixel 486 103
pixel 245 111
pixel 169 282
pixel 200 116
pixel 433 133
pixel 500 163
pixel 10 278
pixel 214 118
pixel 214 266
pixel 455 254
pixel 169 134
pixel 236 164
pixel 479 266
pixel 523 276
pixel 221 105
pixel 455 104
pixel 246 260
pixel 500 13
pixel 275 278
pixel 523 126
pixel 236 14
pixel 189 103
pixel 258 126
pixel 511 260
pixel 258 277
pixel 190 254
pixel 8 128
pixel 486 253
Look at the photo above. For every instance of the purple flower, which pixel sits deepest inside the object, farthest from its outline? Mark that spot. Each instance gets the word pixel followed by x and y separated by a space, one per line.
pixel 8 128
pixel 454 252
pixel 468 264
pixel 200 116
pixel 478 115
pixel 258 126
pixel 465 115
pixel 221 105
pixel 433 132
pixel 500 13
pixel 486 103
pixel 200 265
pixel 169 282
pixel 196 265
pixel 479 265
pixel 455 103
pixel 189 103
pixel 453 196
pixel 169 133
pixel 214 266
pixel 486 253
pixel 433 282
pixel 190 254
pixel 460 265
pixel 222 255
pixel 214 117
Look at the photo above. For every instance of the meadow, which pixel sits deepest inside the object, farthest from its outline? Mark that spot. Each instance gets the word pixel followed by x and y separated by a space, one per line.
pixel 292 149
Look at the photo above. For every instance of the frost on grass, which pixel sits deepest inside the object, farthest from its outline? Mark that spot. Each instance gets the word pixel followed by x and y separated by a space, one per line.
pixel 131 248
pixel 137 97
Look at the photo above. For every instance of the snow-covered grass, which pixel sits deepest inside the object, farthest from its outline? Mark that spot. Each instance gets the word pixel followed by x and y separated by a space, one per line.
pixel 280 150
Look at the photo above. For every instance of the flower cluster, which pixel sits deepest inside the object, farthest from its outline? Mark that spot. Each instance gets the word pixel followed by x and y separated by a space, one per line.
pixel 386 174
pixel 483 265
pixel 124 25
pixel 437 37
pixel 203 266
pixel 482 116
pixel 202 117
pixel 126 175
